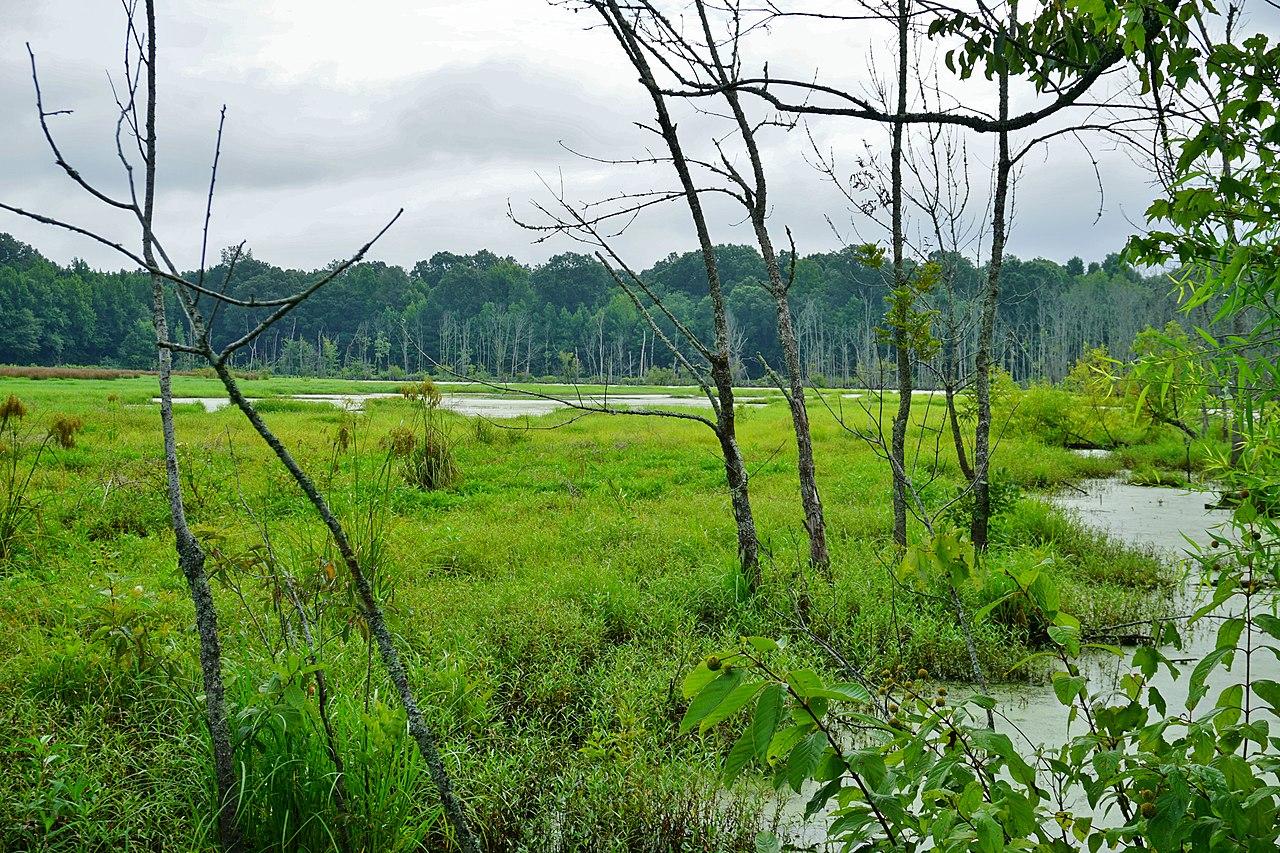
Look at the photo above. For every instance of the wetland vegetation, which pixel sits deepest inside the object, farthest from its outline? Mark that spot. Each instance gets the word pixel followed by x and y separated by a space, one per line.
pixel 549 602
pixel 799 570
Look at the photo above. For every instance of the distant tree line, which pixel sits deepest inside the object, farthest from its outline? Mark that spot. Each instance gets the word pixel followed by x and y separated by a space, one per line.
pixel 566 318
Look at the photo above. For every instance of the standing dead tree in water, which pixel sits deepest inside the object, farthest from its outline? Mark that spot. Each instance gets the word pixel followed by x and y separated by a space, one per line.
pixel 199 303
pixel 649 37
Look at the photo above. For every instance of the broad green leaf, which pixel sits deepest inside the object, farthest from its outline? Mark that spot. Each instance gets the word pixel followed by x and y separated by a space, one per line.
pixel 710 697
pixel 765 721
pixel 739 696
pixel 804 759
pixel 1229 702
pixel 1196 687
pixel 763 645
pixel 1268 691
pixel 1067 687
pixel 739 757
pixel 844 690
pixel 767 842
pixel 699 677
pixel 805 682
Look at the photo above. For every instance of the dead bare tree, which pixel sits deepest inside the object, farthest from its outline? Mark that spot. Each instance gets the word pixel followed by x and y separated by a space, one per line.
pixel 989 304
pixel 1062 74
pixel 901 343
pixel 586 224
pixel 711 366
pixel 139 81
pixel 193 295
pixel 941 192
pixel 652 43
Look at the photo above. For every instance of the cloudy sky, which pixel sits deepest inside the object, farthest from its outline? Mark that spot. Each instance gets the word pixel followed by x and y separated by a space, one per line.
pixel 340 113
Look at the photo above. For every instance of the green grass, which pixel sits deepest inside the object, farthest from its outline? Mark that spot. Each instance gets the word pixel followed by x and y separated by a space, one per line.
pixel 548 605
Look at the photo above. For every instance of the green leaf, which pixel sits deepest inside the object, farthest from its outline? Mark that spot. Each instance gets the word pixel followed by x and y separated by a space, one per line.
pixel 699 677
pixel 741 695
pixel 767 842
pixel 1268 691
pixel 844 690
pixel 1229 702
pixel 765 722
pixel 999 744
pixel 739 757
pixel 1067 636
pixel 1067 687
pixel 804 759
pixel 763 645
pixel 805 683
pixel 1196 687
pixel 1229 633
pixel 990 836
pixel 1269 623
pixel 710 697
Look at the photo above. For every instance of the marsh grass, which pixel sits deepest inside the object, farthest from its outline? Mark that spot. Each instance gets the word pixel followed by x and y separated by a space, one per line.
pixel 548 603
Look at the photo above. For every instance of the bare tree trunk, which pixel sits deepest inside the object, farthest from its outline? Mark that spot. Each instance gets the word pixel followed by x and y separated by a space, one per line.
pixel 814 522
pixel 720 359
pixel 755 198
pixel 986 323
pixel 735 471
pixel 190 554
pixel 191 562
pixel 373 615
pixel 901 345
pixel 950 373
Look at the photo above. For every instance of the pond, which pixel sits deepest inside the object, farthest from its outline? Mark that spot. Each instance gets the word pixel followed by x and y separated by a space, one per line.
pixel 1168 520
pixel 1172 521
pixel 492 405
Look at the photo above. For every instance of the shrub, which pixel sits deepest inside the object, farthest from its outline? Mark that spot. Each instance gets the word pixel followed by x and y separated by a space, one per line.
pixel 426 447
pixel 17 511
pixel 63 430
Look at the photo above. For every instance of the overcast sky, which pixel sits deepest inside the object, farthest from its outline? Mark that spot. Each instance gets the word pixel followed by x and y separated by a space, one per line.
pixel 339 113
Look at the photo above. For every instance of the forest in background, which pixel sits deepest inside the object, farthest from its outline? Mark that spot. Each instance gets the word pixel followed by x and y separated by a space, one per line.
pixel 566 318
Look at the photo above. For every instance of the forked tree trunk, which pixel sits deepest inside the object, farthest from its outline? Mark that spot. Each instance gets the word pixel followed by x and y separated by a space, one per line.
pixel 756 201
pixel 721 372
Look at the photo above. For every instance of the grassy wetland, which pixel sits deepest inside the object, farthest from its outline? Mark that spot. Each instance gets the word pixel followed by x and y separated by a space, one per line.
pixel 549 596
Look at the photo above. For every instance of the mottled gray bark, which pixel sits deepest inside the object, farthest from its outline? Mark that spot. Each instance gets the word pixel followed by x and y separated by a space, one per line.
pixel 901 345
pixel 987 320
pixel 755 199
pixel 191 562
pixel 721 372
pixel 190 555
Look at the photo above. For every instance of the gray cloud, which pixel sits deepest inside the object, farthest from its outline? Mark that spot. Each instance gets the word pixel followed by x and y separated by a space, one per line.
pixel 336 118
